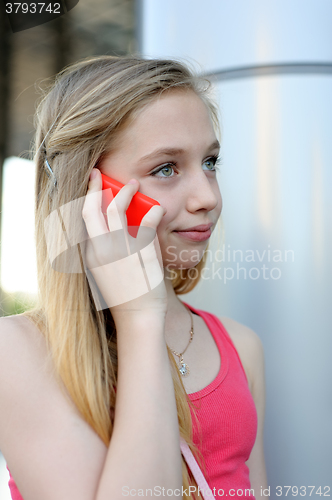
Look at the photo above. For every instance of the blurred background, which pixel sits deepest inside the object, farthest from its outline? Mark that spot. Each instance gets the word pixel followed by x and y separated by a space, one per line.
pixel 270 268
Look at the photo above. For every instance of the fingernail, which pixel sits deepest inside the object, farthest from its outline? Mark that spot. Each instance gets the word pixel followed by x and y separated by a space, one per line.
pixel 132 181
pixel 93 174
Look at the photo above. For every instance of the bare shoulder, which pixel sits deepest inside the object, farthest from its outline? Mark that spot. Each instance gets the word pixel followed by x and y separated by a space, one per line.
pixel 37 415
pixel 28 377
pixel 24 359
pixel 27 369
pixel 17 324
pixel 20 341
pixel 14 330
pixel 248 345
pixel 242 335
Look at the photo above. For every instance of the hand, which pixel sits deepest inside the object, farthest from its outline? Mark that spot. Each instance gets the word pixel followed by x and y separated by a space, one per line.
pixel 115 258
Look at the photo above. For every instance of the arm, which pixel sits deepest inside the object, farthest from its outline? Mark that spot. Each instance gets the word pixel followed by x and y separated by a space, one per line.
pixel 145 448
pixel 250 350
pixel 54 454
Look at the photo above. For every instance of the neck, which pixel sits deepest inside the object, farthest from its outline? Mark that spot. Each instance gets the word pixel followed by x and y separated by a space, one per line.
pixel 174 303
pixel 177 324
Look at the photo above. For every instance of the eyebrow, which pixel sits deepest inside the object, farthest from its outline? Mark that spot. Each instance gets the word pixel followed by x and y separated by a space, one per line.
pixel 173 152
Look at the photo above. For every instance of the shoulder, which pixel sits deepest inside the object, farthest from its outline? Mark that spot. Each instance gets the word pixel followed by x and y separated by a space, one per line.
pixel 12 329
pixel 37 415
pixel 249 347
pixel 19 338
pixel 242 335
pixel 23 352
pixel 15 324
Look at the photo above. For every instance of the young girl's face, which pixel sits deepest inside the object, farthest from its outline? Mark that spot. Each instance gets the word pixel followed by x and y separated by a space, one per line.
pixel 171 149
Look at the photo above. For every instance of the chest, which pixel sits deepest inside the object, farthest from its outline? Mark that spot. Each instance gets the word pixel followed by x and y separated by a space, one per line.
pixel 202 358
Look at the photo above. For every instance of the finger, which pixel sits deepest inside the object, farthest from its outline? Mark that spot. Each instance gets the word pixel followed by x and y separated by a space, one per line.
pixel 91 212
pixel 151 220
pixel 153 217
pixel 153 263
pixel 116 210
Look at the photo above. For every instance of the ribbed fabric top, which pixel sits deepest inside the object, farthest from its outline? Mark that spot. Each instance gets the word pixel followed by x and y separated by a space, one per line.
pixel 16 495
pixel 227 419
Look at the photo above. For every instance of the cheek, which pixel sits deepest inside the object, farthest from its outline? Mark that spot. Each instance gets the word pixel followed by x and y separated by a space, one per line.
pixel 221 202
pixel 168 241
pixel 163 233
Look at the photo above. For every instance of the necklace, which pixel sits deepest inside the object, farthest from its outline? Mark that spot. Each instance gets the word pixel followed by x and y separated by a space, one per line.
pixel 183 367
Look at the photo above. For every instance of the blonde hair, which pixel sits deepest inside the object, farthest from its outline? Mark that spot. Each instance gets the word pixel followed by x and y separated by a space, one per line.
pixel 77 123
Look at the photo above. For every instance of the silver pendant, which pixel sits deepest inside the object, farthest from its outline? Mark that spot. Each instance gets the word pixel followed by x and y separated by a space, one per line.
pixel 184 369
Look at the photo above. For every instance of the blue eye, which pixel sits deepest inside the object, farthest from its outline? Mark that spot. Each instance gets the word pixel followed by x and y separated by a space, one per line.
pixel 167 170
pixel 211 163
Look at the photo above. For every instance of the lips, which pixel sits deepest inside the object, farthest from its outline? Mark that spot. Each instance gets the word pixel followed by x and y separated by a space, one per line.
pixel 202 227
pixel 196 233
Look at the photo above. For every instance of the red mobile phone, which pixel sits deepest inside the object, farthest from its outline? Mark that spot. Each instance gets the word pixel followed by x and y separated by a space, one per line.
pixel 139 206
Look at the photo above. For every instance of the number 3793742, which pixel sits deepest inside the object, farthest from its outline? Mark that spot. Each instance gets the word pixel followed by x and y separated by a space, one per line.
pixel 303 491
pixel 33 8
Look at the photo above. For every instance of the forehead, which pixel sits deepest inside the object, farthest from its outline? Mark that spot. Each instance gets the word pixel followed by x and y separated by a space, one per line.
pixel 176 118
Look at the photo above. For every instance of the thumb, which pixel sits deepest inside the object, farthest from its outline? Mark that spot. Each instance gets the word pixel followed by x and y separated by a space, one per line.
pixel 153 217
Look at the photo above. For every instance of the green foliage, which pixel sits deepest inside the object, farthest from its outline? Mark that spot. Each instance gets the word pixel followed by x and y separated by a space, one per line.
pixel 15 303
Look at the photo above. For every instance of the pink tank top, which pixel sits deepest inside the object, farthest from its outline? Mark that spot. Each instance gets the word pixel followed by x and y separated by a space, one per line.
pixel 227 420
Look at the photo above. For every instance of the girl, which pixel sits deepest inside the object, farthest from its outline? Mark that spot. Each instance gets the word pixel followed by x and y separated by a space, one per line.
pixel 102 378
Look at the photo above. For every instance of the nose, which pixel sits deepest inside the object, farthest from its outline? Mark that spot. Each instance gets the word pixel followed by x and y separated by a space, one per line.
pixel 203 193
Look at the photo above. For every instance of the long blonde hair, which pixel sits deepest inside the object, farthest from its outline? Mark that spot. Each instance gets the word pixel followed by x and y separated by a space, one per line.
pixel 77 122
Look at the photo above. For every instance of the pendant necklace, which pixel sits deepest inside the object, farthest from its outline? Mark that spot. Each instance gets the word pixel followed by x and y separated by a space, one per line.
pixel 183 367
